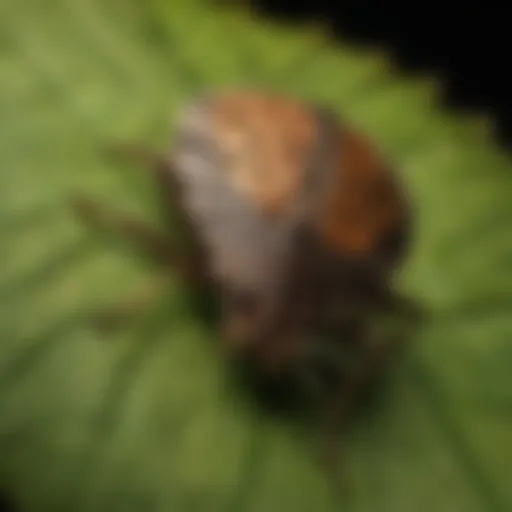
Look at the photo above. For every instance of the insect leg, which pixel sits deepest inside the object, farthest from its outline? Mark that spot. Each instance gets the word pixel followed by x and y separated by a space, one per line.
pixel 156 245
pixel 163 173
pixel 160 166
pixel 376 353
pixel 115 316
pixel 137 154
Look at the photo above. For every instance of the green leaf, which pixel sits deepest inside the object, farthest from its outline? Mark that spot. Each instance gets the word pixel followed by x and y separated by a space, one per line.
pixel 149 420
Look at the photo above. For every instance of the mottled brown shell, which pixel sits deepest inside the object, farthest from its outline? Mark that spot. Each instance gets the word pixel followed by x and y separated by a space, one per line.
pixel 365 207
pixel 264 144
pixel 254 167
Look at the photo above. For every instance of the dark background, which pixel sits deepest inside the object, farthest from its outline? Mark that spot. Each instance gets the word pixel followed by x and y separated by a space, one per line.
pixel 467 46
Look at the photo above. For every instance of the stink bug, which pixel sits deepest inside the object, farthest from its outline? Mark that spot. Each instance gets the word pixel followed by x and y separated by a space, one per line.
pixel 294 222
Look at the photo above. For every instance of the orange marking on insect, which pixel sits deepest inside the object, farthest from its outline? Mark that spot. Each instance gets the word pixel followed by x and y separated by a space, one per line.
pixel 265 142
pixel 363 203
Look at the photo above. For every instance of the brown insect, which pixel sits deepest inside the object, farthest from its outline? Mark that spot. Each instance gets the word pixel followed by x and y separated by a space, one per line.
pixel 294 222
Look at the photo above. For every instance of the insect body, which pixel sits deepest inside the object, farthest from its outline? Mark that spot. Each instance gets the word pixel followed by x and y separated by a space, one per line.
pixel 292 219
pixel 297 214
